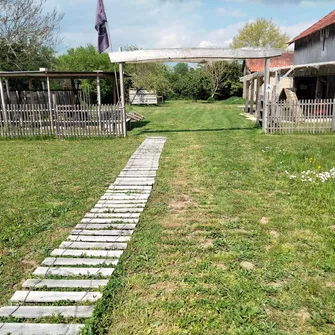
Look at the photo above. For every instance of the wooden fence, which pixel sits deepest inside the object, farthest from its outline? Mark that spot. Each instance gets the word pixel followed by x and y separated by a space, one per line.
pixel 305 116
pixel 61 121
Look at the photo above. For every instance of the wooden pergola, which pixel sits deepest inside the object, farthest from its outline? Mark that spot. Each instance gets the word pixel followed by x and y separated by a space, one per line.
pixel 197 55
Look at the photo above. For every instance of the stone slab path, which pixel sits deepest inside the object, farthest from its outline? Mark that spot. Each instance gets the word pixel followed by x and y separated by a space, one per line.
pixel 72 274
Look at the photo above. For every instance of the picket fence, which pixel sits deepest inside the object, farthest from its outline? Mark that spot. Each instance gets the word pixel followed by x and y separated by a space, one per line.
pixel 305 116
pixel 61 121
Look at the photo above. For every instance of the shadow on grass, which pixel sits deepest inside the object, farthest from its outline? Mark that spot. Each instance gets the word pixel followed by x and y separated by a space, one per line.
pixel 195 130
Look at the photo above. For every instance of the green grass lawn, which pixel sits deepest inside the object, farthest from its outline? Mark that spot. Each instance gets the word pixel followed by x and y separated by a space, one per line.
pixel 228 243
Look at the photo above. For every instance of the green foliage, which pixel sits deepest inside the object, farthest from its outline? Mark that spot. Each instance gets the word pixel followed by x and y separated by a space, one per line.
pixel 262 33
pixel 234 101
pixel 210 100
pixel 87 59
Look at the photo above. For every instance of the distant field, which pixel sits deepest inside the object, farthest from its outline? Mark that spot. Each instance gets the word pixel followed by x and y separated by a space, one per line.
pixel 228 244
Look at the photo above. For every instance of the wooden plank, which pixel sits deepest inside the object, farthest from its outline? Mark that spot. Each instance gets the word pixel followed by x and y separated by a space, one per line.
pixel 103 232
pixel 34 312
pixel 40 329
pixel 113 215
pixel 92 245
pixel 90 238
pixel 54 296
pixel 72 272
pixel 118 206
pixel 58 261
pixel 87 253
pixel 109 221
pixel 112 209
pixel 106 226
pixel 62 283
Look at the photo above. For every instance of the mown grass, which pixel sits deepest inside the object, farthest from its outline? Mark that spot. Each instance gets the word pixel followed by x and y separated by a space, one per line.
pixel 222 202
pixel 46 187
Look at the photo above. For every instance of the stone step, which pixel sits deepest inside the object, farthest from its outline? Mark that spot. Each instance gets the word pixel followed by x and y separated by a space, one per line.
pixel 72 272
pixel 53 296
pixel 34 312
pixel 138 173
pixel 92 238
pixel 57 261
pixel 139 181
pixel 117 210
pixel 130 188
pixel 119 206
pixel 103 232
pixel 92 245
pixel 113 215
pixel 105 221
pixel 87 253
pixel 129 168
pixel 109 221
pixel 61 283
pixel 125 196
pixel 40 329
pixel 119 227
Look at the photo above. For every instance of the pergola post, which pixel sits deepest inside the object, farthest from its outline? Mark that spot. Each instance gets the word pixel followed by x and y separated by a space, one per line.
pixel 3 102
pixel 258 103
pixel 99 100
pixel 123 98
pixel 50 105
pixel 247 86
pixel 252 95
pixel 266 95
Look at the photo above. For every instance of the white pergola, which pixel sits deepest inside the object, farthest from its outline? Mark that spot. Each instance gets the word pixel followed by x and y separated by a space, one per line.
pixel 196 55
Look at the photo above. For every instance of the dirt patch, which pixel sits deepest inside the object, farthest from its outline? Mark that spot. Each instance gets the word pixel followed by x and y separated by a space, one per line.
pixel 167 287
pixel 303 316
pixel 277 284
pixel 264 220
pixel 330 284
pixel 207 243
pixel 195 146
pixel 221 266
pixel 241 231
pixel 181 204
pixel 247 265
pixel 274 234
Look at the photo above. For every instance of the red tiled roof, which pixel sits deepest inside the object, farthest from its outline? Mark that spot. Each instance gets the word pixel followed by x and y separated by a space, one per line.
pixel 256 65
pixel 323 23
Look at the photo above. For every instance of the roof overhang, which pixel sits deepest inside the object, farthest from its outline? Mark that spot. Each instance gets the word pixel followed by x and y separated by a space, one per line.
pixel 52 74
pixel 195 55
pixel 287 69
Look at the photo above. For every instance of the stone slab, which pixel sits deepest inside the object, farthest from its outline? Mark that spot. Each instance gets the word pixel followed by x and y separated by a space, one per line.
pixel 72 272
pixel 58 261
pixel 34 312
pixel 105 226
pixel 113 215
pixel 102 232
pixel 93 245
pixel 53 296
pixel 40 329
pixel 62 283
pixel 109 221
pixel 92 238
pixel 107 206
pixel 117 210
pixel 87 253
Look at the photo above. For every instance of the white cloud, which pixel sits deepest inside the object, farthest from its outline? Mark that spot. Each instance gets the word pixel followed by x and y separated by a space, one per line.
pixel 206 44
pixel 222 11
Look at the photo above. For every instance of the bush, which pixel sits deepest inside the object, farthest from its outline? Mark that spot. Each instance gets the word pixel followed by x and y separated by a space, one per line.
pixel 234 101
pixel 210 100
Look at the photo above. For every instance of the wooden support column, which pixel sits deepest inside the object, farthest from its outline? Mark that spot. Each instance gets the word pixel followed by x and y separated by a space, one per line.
pixel 50 105
pixel 247 87
pixel 258 104
pixel 318 88
pixel 266 95
pixel 252 96
pixel 99 100
pixel 31 91
pixel 3 102
pixel 123 98
pixel 7 89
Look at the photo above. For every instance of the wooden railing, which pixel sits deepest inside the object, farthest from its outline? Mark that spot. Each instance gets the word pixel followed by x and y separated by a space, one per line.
pixel 305 116
pixel 61 121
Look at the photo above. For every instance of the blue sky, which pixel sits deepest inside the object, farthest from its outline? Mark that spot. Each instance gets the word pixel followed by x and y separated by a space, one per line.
pixel 181 23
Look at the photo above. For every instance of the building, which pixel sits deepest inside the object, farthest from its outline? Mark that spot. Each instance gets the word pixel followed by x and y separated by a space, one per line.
pixel 316 46
pixel 257 65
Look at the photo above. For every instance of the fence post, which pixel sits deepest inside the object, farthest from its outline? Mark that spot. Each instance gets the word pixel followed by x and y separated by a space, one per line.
pixel 50 107
pixel 99 101
pixel 333 116
pixel 266 95
pixel 123 99
pixel 4 110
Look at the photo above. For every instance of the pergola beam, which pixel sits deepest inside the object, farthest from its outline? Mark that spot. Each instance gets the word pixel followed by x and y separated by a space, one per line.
pixel 195 55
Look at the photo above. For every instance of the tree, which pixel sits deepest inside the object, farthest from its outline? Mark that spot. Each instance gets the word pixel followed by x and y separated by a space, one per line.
pixel 262 33
pixel 87 59
pixel 28 35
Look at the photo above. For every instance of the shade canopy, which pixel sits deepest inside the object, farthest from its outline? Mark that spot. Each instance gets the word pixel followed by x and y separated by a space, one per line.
pixel 195 55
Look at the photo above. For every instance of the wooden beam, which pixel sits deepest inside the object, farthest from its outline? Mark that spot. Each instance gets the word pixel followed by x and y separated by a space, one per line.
pixel 266 95
pixel 3 102
pixel 247 87
pixel 123 97
pixel 196 55
pixel 252 96
pixel 258 105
